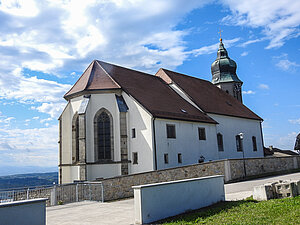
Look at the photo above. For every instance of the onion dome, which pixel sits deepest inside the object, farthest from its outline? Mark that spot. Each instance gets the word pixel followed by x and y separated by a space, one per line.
pixel 223 69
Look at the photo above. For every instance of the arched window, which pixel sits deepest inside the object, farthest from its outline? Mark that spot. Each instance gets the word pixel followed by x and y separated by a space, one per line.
pixel 254 143
pixel 103 131
pixel 239 145
pixel 220 142
pixel 75 138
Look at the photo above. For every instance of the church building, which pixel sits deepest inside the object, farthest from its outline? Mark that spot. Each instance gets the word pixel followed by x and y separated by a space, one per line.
pixel 120 121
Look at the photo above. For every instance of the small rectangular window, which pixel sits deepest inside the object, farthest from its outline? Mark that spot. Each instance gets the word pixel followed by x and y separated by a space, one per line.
pixel 254 144
pixel 201 132
pixel 133 133
pixel 171 133
pixel 135 158
pixel 166 158
pixel 239 146
pixel 179 158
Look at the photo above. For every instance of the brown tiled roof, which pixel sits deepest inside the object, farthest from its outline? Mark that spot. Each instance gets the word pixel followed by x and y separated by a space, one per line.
pixel 150 91
pixel 207 96
pixel 93 78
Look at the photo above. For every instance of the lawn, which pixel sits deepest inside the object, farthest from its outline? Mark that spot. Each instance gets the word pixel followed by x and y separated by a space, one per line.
pixel 276 211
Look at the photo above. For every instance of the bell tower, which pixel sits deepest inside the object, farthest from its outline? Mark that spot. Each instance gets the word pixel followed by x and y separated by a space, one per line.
pixel 224 76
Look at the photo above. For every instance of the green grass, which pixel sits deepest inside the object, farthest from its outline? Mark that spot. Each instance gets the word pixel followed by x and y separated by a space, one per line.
pixel 249 211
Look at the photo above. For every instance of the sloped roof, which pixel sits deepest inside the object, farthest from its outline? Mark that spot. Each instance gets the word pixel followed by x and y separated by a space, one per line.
pixel 150 91
pixel 207 96
pixel 93 78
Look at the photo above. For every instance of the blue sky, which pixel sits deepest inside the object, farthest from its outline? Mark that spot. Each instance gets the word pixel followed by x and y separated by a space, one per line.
pixel 46 45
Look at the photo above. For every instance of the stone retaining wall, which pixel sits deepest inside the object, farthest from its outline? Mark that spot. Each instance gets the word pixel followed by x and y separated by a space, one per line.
pixel 121 187
pixel 232 169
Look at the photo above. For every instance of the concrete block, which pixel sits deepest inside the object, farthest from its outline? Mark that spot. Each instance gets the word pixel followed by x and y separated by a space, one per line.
pixel 263 192
pixel 157 201
pixel 297 182
pixel 25 212
pixel 286 189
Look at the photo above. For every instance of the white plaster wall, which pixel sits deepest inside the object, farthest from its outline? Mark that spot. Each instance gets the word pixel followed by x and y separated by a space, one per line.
pixel 187 143
pixel 229 127
pixel 153 202
pixel 69 174
pixel 141 120
pixel 66 138
pixel 98 101
pixel 102 171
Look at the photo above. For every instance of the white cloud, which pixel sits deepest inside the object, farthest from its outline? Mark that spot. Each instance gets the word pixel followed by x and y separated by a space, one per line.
pixel 46 120
pixel 22 8
pixel 283 63
pixel 280 20
pixel 244 53
pixel 34 146
pixel 70 34
pixel 7 120
pixel 284 142
pixel 248 92
pixel 264 86
pixel 213 48
pixel 295 121
pixel 245 44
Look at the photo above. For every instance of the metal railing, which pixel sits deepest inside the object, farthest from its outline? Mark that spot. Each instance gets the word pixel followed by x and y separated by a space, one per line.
pixel 57 194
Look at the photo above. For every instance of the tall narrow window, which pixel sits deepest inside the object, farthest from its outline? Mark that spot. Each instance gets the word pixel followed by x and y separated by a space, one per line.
pixel 220 142
pixel 135 158
pixel 103 135
pixel 77 138
pixel 201 133
pixel 133 133
pixel 254 144
pixel 239 146
pixel 166 158
pixel 171 133
pixel 179 158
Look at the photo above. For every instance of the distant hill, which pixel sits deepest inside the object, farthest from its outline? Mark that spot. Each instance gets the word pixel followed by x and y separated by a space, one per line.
pixel 28 180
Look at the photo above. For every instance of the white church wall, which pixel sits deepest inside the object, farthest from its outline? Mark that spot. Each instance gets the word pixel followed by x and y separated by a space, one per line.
pixel 229 127
pixel 103 171
pixel 186 142
pixel 98 101
pixel 69 174
pixel 140 120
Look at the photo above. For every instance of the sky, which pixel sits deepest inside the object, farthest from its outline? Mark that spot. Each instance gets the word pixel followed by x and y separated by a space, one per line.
pixel 46 45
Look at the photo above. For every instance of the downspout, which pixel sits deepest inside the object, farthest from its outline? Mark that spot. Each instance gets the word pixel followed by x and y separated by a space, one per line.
pixel 262 137
pixel 154 144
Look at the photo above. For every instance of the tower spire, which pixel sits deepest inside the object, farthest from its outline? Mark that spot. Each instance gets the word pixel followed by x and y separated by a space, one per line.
pixel 224 75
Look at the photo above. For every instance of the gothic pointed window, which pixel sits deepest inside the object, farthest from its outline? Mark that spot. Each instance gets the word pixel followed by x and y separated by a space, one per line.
pixel 103 135
pixel 239 145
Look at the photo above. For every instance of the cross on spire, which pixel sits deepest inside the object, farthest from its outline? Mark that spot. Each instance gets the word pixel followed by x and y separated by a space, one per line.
pixel 220 32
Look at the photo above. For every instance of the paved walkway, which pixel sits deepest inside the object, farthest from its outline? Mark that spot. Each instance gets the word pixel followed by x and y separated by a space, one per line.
pixel 121 212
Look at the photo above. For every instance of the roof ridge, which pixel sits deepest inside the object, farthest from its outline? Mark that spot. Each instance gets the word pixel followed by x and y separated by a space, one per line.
pixel 80 78
pixel 108 74
pixel 182 74
pixel 141 72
